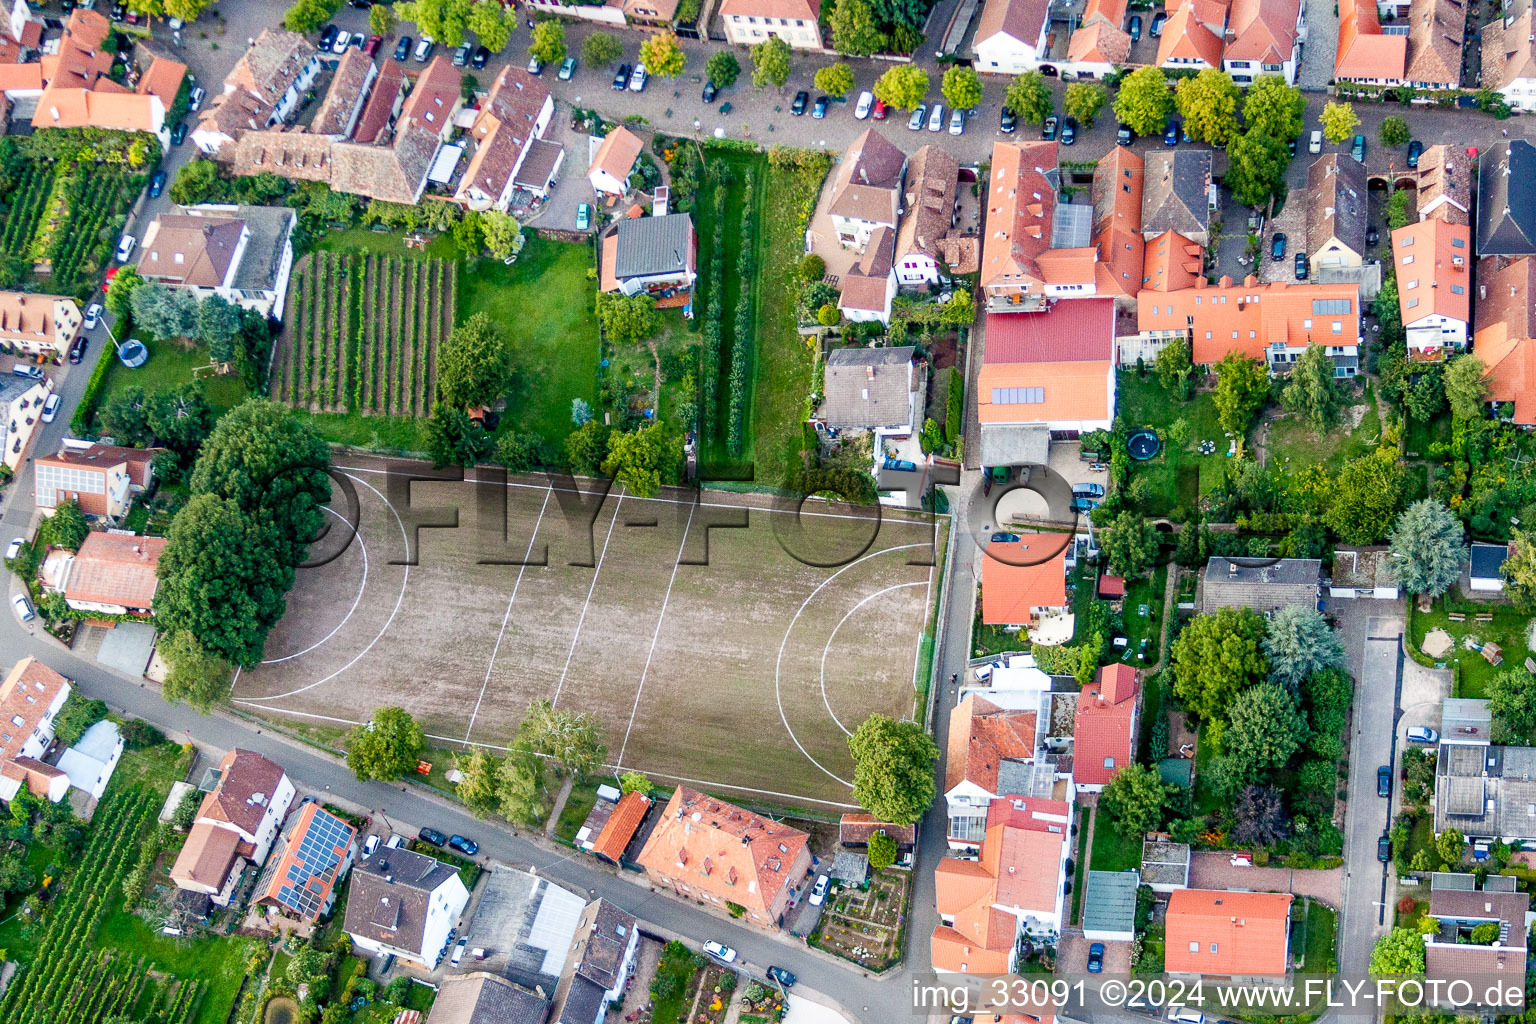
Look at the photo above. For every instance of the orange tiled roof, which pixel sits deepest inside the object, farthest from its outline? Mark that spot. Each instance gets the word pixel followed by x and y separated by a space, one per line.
pixel 1172 263
pixel 1021 199
pixel 1102 743
pixel 315 877
pixel 1186 38
pixel 1507 297
pixel 1099 42
pixel 1068 266
pixel 981 736
pixel 28 691
pixel 621 825
pixel 163 79
pixel 1009 590
pixel 1363 52
pixel 1510 361
pixel 1250 316
pixel 115 569
pixel 1263 30
pixel 1227 933
pixel 618 152
pixel 1022 850
pixel 1071 391
pixel 1434 272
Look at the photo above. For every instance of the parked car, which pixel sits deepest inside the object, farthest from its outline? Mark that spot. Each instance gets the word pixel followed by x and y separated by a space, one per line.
pixel 711 90
pixel 881 111
pixel 802 100
pixel 637 78
pixel 915 122
pixel 403 48
pixel 1048 129
pixel 1087 490
pixel 51 408
pixel 1290 147
pixel 1135 27
pixel 28 371
pixel 819 108
pixel 1422 734
pixel 535 66
pixel 1315 143
pixel 179 133
pixel 936 117
pixel 432 836
pixel 957 122
pixel 1084 504
pixel 327 36
pixel 720 951
pixel 1009 123
pixel 1372 236
pixel 1301 266
pixel 157 184
pixel 13 548
pixel 125 247
pixel 1415 148
pixel 369 845
pixel 583 216
pixel 1184 1015
pixel 865 105
pixel 1384 780
pixel 783 976
pixel 1277 247
pixel 341 41
pixel 458 951
pixel 1069 131
pixel 92 315
pixel 483 54
pixel 1157 24
pixel 1096 958
pixel 424 48
pixel 358 41
pixel 195 98
pixel 23 608
pixel 119 11
pixel 1171 134
pixel 392 843
pixel 461 55
pixel 371 48
pixel 819 893
pixel 1005 538
pixel 1357 148
pixel 1384 848
pixel 1124 136
pixel 77 350
pixel 621 78
pixel 468 847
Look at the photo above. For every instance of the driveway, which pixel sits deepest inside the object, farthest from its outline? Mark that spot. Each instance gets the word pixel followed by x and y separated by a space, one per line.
pixel 1212 869
pixel 1072 955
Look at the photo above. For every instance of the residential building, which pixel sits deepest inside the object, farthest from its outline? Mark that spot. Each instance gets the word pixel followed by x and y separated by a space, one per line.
pixel 991 751
pixel 882 390
pixel 21 414
pixel 312 857
pixel 599 965
pixel 1106 727
pixel 404 904
pixel 1485 567
pixel 1171 263
pixel 869 286
pixel 749 22
pixel 262 90
pixel 609 173
pixel 1363 573
pixel 654 255
pixel 381 109
pixel 1336 215
pixel 1436 34
pixel 113 574
pixel 1434 274
pixel 1465 720
pixel 613 839
pixel 1506 327
pixel 89 764
pixel 248 797
pixel 1024 580
pixel 1109 906
pixel 31 698
pixel 243 254
pixel 1365 54
pixel 1461 948
pixel 866 190
pixel 1506 199
pixel 855 828
pixel 1265 39
pixel 1051 372
pixel 1011 36
pixel 1021 205
pixel 343 104
pixel 38 325
pixel 1509 58
pixel 508 135
pixel 484 998
pixel 1099 44
pixel 1481 790
pixel 1014 887
pixel 1445 185
pixel 929 206
pixel 102 478
pixel 708 850
pixel 74 90
pixel 1176 194
pixel 1244 937
pixel 1192 35
pixel 1266 586
pixel 1117 195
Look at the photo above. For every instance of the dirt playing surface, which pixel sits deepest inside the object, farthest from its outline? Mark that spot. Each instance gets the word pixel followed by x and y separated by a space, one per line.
pixel 739 673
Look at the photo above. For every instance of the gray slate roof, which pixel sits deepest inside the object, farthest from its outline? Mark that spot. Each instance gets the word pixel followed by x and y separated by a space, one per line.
pixel 1261 584
pixel 652 245
pixel 1506 200
pixel 1488 561
pixel 482 998
pixel 1486 792
pixel 1336 202
pixel 389 897
pixel 269 227
pixel 868 388
pixel 1175 193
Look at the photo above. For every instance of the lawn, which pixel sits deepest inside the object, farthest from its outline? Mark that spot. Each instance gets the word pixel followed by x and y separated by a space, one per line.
pixel 1176 478
pixel 153 769
pixel 387 434
pixel 1418 436
pixel 1080 882
pixel 1293 443
pixel 1153 691
pixel 170 365
pixel 1507 630
pixel 1207 801
pixel 1113 848
pixel 577 806
pixel 1144 625
pixel 988 640
pixel 389 243
pixel 216 960
pixel 673 982
pixel 1322 924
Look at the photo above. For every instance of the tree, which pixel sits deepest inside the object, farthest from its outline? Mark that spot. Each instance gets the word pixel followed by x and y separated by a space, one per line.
pixel 1135 799
pixel 1466 387
pixel 1520 569
pixel 587 447
pixel 479 782
pixel 454 438
pixel 186 10
pixel 637 459
pixel 1299 642
pixel 835 79
pixel 829 315
pixel 1451 846
pixel 67 527
pixel 1394 131
pixel 307 16
pixel 1397 216
pixel 1256 168
pixel 1128 544
pixel 810 268
pixel 601 49
pixel 548 42
pixel 1144 101
pixel 661 54
pixel 443 20
pixel 502 231
pixel 1366 497
pixel 1426 545
pixel 386 747
pixel 1311 390
pixel 1242 388
pixel 520 787
pixel 164 312
pixel 1208 103
pixel 218 323
pixel 1485 934
pixel 1083 101
pixel 1425 395
pixel 1216 657
pixel 961 87
pixel 722 69
pixel 493 24
pixel 308 965
pixel 770 63
pixel 902 87
pixel 636 782
pixel 1512 700
pixel 523 450
pixel 381 19
pixel 893 769
pixel 1274 109
pixel 882 850
pixel 1030 99
pixel 127 280
pixel 1339 121
pixel 1400 951
pixel 854 29
pixel 197 677
pixel 571 740
pixel 1264 728
pixel 1173 365
pixel 475 364
pixel 1260 814
pixel 628 319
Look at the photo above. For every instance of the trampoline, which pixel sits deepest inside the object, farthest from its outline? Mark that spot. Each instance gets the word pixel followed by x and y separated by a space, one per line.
pixel 1143 445
pixel 133 353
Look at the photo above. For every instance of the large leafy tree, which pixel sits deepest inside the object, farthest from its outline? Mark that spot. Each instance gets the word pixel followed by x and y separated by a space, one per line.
pixel 164 312
pixel 1394 131
pixel 218 323
pixel 67 527
pixel 1327 696
pixel 307 16
pixel 520 788
pixel 1426 544
pixel 661 54
pixel 474 366
pixel 1083 101
pixel 1256 168
pixel 854 29
pixel 1129 544
pixel 381 19
pixel 548 43
pixel 454 438
pixel 1400 951
pixel 601 49
pixel 586 447
pixel 196 677
pixel 501 231
pixel 1242 388
pixel 1339 121
pixel 571 740
pixel 1144 101
pixel 1366 497
pixel 628 319
pixel 1311 390
pixel 478 784
pixel 902 86
pixel 1299 642
pixel 770 63
pixel 1274 109
pixel 640 458
pixel 835 80
pixel 1512 700
pixel 443 20
pixel 961 87
pixel 1520 569
pixel 1208 103
pixel 127 280
pixel 385 747
pixel 1466 386
pixel 1260 816
pixel 1264 728
pixel 493 24
pixel 893 769
pixel 722 68
pixel 1174 366
pixel 1216 657
pixel 1136 799
pixel 1030 99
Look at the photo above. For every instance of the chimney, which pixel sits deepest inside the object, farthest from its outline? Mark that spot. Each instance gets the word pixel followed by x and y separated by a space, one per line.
pixel 869 373
pixel 1231 569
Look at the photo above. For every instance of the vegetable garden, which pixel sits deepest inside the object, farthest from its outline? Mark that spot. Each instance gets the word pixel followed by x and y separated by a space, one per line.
pixel 362 331
pixel 65 216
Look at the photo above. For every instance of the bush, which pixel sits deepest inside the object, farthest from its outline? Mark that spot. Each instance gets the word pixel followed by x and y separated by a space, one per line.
pixel 140 735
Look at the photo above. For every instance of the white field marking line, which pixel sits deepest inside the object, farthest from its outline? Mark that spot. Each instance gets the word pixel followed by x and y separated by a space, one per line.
pixel 917 652
pixel 596 572
pixel 676 562
pixel 827 648
pixel 778 664
pixel 404 581
pixel 355 601
pixel 907 520
pixel 507 617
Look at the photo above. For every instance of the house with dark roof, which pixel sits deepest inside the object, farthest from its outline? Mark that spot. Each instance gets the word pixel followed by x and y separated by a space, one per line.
pixel 651 255
pixel 31 697
pixel 485 998
pixel 263 89
pixel 1445 185
pixel 243 254
pixel 1483 931
pixel 1265 585
pixel 238 821
pixel 308 864
pixel 1485 570
pixel 1336 215
pixel 21 416
pixel 1011 36
pixel 506 133
pixel 343 104
pixel 1436 34
pixel 869 286
pixel 873 389
pixel 598 966
pixel 867 190
pixel 928 216
pixel 404 904
pixel 855 827
pixel 1176 193
pixel 1506 199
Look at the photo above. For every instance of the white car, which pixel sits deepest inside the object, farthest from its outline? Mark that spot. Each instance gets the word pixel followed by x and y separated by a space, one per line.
pixel 26 614
pixel 637 79
pixel 1184 1015
pixel 125 247
pixel 819 894
pixel 936 117
pixel 720 951
pixel 92 315
pixel 393 843
pixel 866 104
pixel 1422 734
pixel 458 952
pixel 51 408
pixel 957 122
pixel 369 845
pixel 341 43
pixel 13 548
pixel 195 100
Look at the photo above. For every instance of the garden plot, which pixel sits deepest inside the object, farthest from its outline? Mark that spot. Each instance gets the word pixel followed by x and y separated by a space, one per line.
pixel 65 216
pixel 865 925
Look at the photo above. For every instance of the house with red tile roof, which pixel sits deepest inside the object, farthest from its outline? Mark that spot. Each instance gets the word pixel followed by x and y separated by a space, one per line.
pixel 1239 936
pixel 867 190
pixel 76 91
pixel 237 823
pixel 1117 195
pixel 1506 336
pixel 1171 263
pixel 1509 58
pixel 102 478
pixel 1015 887
pixel 1433 259
pixel 507 134
pixel 1264 38
pixel 31 697
pixel 615 158
pixel 1025 579
pixel 749 22
pixel 621 826
pixel 1105 727
pixel 1053 369
pixel 855 828
pixel 991 752
pixel 705 849
pixel 1364 54
pixel 1099 44
pixel 1011 36
pixel 1192 35
pixel 309 862
pixel 113 574
pixel 869 286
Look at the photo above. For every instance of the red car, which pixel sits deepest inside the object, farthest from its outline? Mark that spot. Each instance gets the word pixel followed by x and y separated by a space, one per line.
pixel 373 44
pixel 881 112
pixel 110 275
